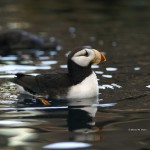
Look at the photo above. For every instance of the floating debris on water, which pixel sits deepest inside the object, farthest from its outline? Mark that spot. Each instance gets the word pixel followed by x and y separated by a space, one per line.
pixel 107 76
pixel 111 69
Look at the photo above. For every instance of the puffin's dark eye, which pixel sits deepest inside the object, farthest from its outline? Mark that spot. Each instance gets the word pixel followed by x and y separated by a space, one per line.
pixel 86 53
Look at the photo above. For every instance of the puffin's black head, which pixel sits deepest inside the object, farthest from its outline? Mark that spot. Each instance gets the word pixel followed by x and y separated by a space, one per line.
pixel 80 61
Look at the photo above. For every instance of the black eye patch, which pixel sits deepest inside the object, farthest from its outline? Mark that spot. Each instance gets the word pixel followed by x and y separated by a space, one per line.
pixel 86 53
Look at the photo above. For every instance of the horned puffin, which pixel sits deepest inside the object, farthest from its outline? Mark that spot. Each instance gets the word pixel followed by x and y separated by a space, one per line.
pixel 79 82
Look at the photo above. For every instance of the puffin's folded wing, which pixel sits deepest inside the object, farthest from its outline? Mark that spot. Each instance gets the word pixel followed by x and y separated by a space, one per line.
pixel 28 82
pixel 42 83
pixel 54 81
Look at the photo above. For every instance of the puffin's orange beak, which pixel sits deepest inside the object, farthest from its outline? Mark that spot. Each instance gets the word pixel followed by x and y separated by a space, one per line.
pixel 103 58
pixel 99 57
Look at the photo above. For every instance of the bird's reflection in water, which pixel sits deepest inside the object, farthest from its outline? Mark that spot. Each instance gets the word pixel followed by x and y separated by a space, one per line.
pixel 81 122
pixel 80 117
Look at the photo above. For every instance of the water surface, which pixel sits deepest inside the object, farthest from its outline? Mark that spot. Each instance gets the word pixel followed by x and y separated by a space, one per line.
pixel 119 117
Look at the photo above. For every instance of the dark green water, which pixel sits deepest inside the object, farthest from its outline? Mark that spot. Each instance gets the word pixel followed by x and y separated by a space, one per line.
pixel 119 118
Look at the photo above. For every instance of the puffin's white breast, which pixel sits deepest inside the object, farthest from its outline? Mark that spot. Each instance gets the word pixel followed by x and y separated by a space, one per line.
pixel 86 89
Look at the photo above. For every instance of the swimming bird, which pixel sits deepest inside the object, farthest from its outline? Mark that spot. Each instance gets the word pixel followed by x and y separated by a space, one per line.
pixel 14 40
pixel 79 82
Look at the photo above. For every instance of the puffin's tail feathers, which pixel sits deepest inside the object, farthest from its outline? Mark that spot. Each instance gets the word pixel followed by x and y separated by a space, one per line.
pixel 20 75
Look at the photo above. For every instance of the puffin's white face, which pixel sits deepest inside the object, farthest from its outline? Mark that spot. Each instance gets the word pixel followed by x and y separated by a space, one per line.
pixel 86 56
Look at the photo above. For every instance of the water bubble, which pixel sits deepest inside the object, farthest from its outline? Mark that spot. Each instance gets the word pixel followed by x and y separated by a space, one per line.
pixel 10 122
pixel 50 62
pixel 111 69
pixel 7 76
pixel 34 74
pixel 99 72
pixel 52 39
pixel 106 105
pixel 5 95
pixel 58 47
pixel 8 58
pixel 38 53
pixel 12 88
pixel 63 66
pixel 137 68
pixel 72 29
pixel 88 46
pixel 1 90
pixel 107 76
pixel 52 53
pixel 105 86
pixel 44 58
pixel 116 85
pixel 101 42
pixel 100 100
pixel 114 43
pixel 17 25
pixel 11 84
pixel 95 66
pixel 13 97
pixel 92 38
pixel 67 145
pixel 148 86
pixel 8 102
pixel 67 53
pixel 19 68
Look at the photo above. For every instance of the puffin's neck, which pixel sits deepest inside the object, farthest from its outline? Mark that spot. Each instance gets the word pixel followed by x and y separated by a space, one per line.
pixel 77 73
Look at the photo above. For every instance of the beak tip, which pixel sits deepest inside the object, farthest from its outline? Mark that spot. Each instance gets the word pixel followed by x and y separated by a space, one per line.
pixel 103 58
pixel 99 57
